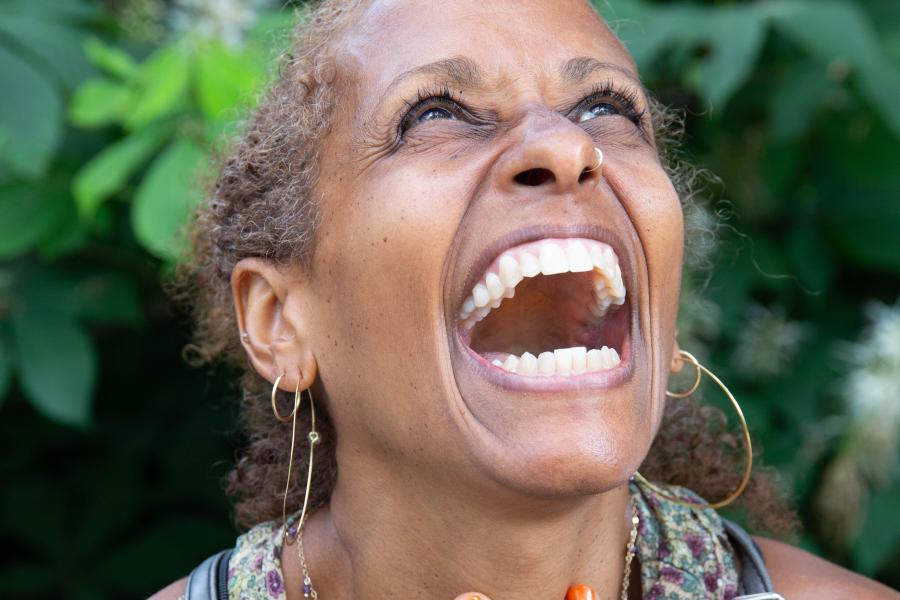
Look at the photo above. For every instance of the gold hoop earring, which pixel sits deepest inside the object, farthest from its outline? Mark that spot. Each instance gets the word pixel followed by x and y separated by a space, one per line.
pixel 278 415
pixel 289 535
pixel 748 465
pixel 697 368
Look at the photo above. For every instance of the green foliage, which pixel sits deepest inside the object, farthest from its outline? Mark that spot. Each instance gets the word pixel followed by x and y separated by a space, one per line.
pixel 39 59
pixel 113 167
pixel 30 116
pixel 165 198
pixel 116 447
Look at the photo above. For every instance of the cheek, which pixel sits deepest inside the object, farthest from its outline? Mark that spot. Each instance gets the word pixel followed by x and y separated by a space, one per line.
pixel 655 210
pixel 653 205
pixel 379 264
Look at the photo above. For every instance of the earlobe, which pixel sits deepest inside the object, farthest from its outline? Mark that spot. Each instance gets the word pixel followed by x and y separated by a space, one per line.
pixel 271 320
pixel 676 363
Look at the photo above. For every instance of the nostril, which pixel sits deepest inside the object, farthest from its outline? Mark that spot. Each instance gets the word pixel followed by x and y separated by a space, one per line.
pixel 535 177
pixel 588 173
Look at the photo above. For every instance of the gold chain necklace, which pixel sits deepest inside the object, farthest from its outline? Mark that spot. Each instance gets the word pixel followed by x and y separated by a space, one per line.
pixel 630 550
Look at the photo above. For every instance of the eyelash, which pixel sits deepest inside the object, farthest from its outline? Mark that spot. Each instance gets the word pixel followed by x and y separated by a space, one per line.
pixel 442 96
pixel 626 98
pixel 439 96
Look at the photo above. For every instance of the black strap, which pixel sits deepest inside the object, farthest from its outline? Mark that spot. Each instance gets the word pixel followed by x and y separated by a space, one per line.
pixel 209 581
pixel 754 581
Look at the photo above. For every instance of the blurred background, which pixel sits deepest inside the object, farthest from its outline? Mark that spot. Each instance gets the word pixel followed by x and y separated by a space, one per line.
pixel 114 451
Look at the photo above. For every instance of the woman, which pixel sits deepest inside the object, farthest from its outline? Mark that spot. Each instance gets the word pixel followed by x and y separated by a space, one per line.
pixel 449 222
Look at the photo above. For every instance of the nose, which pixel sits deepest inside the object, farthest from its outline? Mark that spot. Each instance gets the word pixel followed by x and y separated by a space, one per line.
pixel 553 154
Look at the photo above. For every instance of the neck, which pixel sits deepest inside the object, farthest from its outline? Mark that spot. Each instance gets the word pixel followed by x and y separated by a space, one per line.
pixel 409 536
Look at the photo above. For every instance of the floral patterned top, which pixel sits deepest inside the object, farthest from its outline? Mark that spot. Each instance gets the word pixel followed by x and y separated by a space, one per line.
pixel 683 551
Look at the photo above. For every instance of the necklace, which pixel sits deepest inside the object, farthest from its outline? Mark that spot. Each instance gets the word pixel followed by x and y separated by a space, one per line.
pixel 308 590
pixel 575 592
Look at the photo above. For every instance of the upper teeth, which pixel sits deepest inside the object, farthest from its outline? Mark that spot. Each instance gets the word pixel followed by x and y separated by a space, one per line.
pixel 547 257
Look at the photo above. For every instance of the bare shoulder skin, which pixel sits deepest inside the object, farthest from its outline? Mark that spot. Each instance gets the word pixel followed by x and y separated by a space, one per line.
pixel 799 575
pixel 173 591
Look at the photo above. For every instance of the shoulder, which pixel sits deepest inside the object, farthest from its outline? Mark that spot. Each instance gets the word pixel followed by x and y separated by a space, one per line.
pixel 173 591
pixel 799 575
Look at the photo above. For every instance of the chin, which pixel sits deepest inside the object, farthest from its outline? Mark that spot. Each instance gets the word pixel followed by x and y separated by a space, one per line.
pixel 550 355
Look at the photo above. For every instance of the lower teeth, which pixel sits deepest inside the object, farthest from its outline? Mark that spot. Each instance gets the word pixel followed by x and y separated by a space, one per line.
pixel 563 361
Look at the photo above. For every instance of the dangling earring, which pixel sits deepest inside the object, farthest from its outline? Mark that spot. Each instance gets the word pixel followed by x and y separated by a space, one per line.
pixel 748 465
pixel 313 440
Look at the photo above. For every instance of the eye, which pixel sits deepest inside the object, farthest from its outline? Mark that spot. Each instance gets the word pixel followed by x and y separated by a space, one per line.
pixel 431 105
pixel 598 109
pixel 434 113
pixel 608 100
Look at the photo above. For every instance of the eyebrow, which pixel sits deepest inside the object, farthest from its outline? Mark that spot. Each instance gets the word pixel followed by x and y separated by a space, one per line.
pixel 463 72
pixel 576 70
pixel 458 71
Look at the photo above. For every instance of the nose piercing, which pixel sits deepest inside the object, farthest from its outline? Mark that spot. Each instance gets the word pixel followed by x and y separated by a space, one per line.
pixel 599 164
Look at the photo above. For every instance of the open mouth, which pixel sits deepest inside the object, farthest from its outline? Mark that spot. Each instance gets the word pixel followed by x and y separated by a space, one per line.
pixel 552 307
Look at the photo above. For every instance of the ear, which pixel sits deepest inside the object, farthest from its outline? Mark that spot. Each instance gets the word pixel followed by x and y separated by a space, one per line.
pixel 677 363
pixel 271 314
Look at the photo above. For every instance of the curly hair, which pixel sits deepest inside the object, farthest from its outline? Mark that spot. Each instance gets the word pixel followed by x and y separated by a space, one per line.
pixel 265 204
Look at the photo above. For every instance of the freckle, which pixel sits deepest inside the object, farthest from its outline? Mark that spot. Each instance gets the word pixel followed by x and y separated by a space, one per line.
pixel 385 240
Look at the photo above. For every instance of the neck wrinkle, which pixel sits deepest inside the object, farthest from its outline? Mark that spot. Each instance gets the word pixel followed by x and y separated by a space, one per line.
pixel 419 538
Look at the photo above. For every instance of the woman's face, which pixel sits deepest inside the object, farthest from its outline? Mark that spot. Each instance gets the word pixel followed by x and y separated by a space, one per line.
pixel 463 155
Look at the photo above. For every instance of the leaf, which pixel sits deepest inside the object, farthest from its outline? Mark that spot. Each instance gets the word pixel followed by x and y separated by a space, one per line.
pixel 272 29
pixel 57 45
pixel 839 31
pixel 60 10
pixel 827 29
pixel 30 116
pixel 28 212
pixel 796 100
pixel 645 31
pixel 66 240
pixel 225 80
pixel 107 172
pixel 57 365
pixel 166 197
pixel 161 85
pixel 114 61
pixel 98 102
pixel 735 35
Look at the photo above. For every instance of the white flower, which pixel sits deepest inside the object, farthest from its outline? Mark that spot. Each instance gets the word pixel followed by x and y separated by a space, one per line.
pixel 868 453
pixel 872 391
pixel 768 341
pixel 226 20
